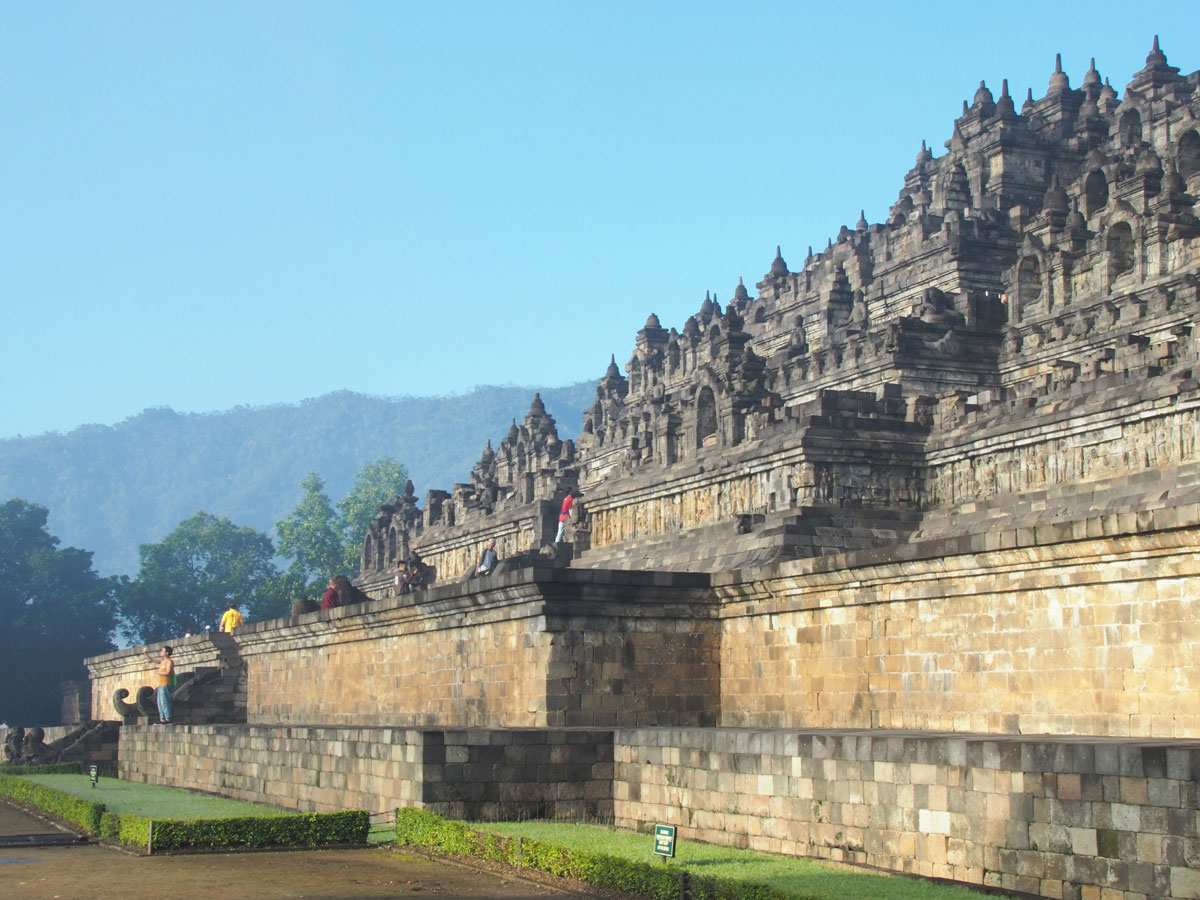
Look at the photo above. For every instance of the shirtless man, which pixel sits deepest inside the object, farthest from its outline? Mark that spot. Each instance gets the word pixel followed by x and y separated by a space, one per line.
pixel 165 675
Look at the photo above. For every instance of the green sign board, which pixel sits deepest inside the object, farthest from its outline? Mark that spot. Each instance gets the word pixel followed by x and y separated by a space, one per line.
pixel 664 840
pixel 94 774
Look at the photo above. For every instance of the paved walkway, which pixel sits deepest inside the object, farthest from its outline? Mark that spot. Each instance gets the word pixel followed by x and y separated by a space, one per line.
pixel 21 829
pixel 14 821
pixel 93 872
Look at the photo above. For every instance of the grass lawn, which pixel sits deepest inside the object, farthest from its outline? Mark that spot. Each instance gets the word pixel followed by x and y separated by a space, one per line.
pixel 794 875
pixel 154 801
pixel 382 834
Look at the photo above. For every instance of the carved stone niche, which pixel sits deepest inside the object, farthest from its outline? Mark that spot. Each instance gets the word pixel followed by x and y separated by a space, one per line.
pixel 707 419
pixel 435 503
pixel 463 495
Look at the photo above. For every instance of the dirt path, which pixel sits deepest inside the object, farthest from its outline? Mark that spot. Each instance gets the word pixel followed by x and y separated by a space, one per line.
pixel 93 872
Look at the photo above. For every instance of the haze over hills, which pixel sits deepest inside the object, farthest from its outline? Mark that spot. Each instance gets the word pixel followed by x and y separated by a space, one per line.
pixel 111 488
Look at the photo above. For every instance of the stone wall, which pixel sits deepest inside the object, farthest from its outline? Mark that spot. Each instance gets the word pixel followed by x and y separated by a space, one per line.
pixel 76 702
pixel 456 551
pixel 1064 818
pixel 466 774
pixel 1061 818
pixel 1095 442
pixel 1086 627
pixel 858 452
pixel 218 693
pixel 538 647
pixel 1081 628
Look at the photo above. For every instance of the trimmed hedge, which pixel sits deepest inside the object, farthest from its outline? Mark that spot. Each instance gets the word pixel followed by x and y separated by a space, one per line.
pixel 291 830
pixel 66 768
pixel 420 828
pixel 127 830
pixel 75 811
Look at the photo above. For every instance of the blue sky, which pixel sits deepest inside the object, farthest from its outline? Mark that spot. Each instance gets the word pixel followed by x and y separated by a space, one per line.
pixel 218 204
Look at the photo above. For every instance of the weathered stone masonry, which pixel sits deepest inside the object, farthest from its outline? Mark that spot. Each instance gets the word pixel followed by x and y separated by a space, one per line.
pixel 1086 628
pixel 1023 321
pixel 547 648
pixel 1090 629
pixel 893 563
pixel 1055 817
pixel 469 774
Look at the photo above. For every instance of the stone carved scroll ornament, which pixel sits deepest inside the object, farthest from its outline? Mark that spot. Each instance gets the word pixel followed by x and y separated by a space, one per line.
pixel 144 703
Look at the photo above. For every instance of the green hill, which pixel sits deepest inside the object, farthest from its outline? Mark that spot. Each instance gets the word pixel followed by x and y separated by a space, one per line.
pixel 111 488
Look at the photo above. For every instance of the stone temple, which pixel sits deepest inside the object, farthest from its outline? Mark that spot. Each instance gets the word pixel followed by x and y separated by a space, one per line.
pixel 891 561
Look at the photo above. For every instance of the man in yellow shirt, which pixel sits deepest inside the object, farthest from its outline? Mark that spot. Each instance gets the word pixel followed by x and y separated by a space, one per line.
pixel 232 619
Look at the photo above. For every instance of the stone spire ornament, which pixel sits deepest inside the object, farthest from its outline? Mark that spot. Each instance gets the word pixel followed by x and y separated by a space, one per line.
pixel 778 266
pixel 1005 105
pixel 1059 82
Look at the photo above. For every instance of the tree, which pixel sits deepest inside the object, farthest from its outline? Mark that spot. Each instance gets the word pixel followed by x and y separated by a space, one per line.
pixel 189 579
pixel 309 536
pixel 273 598
pixel 376 483
pixel 56 611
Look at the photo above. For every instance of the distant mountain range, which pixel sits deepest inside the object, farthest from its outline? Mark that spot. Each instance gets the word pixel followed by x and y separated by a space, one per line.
pixel 111 488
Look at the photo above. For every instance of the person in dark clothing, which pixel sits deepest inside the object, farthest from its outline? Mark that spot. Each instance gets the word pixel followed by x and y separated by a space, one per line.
pixel 402 581
pixel 348 593
pixel 302 605
pixel 419 574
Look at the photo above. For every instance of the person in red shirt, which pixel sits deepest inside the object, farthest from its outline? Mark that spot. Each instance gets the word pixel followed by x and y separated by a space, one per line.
pixel 564 517
pixel 331 600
